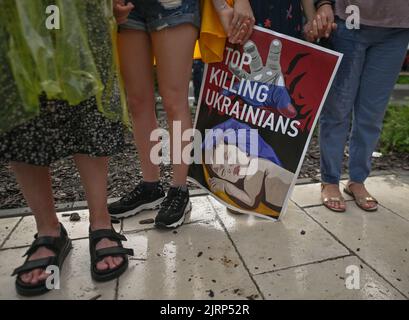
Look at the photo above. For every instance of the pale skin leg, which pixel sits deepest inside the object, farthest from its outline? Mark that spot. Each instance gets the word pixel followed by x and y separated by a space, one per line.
pixel 94 176
pixel 173 49
pixel 137 71
pixel 35 183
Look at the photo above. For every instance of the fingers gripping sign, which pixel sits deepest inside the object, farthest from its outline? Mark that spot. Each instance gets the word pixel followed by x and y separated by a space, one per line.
pixel 322 25
pixel 268 77
pixel 122 10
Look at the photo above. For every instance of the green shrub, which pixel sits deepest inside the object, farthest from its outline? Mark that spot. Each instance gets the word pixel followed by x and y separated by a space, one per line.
pixel 403 80
pixel 395 134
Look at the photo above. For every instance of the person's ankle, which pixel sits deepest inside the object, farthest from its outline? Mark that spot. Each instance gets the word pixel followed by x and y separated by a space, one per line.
pixel 100 226
pixel 150 185
pixel 182 187
pixel 49 230
pixel 100 222
pixel 329 184
pixel 353 184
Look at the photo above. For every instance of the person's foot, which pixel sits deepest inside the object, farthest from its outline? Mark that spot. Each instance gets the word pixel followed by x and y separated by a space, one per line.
pixel 37 275
pixel 361 196
pixel 174 208
pixel 145 196
pixel 108 262
pixel 49 248
pixel 109 259
pixel 332 198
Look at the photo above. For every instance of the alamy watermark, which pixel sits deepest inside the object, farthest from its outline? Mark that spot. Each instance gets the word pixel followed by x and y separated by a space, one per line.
pixel 53 19
pixel 53 281
pixel 216 147
pixel 353 21
pixel 353 279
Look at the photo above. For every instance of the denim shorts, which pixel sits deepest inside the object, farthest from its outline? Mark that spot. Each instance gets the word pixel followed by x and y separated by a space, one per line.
pixel 155 15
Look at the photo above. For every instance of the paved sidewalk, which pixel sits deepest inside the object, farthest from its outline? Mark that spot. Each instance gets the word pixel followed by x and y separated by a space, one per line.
pixel 217 255
pixel 400 95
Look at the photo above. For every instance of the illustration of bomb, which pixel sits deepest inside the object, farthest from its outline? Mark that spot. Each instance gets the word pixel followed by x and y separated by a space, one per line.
pixel 268 75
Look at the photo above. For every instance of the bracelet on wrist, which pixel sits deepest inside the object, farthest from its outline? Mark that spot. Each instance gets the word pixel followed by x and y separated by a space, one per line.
pixel 324 3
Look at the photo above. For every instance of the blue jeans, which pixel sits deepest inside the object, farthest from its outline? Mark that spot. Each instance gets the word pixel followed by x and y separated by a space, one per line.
pixel 357 101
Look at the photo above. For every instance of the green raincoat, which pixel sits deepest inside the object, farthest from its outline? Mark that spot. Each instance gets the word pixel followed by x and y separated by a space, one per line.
pixel 64 64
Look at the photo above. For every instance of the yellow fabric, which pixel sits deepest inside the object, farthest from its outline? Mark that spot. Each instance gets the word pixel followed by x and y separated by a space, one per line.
pixel 197 54
pixel 210 47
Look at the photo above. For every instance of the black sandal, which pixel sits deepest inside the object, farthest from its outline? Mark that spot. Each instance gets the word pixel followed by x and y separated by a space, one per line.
pixel 98 255
pixel 61 246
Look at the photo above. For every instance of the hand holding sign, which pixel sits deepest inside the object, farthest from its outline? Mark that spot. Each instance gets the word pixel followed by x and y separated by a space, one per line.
pixel 270 75
pixel 122 10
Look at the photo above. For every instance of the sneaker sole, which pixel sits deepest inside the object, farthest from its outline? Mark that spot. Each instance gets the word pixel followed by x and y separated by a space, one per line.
pixel 177 223
pixel 147 206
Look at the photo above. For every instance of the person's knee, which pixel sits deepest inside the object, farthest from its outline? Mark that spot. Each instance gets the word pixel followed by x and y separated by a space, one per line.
pixel 175 101
pixel 335 116
pixel 368 126
pixel 138 101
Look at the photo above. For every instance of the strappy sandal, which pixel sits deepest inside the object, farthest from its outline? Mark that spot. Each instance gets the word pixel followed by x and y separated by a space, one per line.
pixel 61 246
pixel 360 202
pixel 98 255
pixel 327 200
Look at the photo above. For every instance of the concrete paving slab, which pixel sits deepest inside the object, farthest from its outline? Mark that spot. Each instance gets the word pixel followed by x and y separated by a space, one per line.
pixel 267 245
pixel 197 261
pixel 6 226
pixel 380 238
pixel 392 193
pixel 325 281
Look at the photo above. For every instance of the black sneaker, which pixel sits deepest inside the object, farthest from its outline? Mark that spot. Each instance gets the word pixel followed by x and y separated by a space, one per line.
pixel 173 209
pixel 141 198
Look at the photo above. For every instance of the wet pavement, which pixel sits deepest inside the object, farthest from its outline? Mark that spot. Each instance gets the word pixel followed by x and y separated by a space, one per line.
pixel 312 253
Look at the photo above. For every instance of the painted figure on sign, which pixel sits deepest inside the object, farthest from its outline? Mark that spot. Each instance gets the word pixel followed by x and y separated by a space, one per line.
pixel 248 171
pixel 269 76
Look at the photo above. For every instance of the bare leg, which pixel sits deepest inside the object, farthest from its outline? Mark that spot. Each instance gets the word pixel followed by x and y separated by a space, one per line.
pixel 35 183
pixel 173 49
pixel 94 175
pixel 137 71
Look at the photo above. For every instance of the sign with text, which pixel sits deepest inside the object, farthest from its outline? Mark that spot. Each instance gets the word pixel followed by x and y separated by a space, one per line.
pixel 256 115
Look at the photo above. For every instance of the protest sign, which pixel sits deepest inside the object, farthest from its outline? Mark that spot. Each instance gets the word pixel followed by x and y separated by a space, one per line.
pixel 257 112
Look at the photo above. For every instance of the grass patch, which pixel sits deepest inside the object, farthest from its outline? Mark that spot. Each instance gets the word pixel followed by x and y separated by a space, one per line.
pixel 403 80
pixel 395 134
